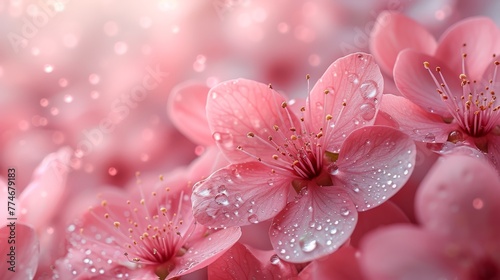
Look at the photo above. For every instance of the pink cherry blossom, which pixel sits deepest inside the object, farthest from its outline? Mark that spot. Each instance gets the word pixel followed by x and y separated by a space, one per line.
pixel 457 206
pixel 146 234
pixel 448 86
pixel 337 163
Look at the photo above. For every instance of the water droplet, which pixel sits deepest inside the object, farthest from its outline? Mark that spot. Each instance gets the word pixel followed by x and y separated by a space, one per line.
pixel 356 190
pixel 253 219
pixel 455 136
pixel 222 189
pixel 275 259
pixel 344 211
pixel 356 121
pixel 221 199
pixel 270 182
pixel 369 89
pixel 333 169
pixel 367 111
pixel 225 140
pixel 312 224
pixel 430 138
pixel 353 78
pixel 333 231
pixel 308 245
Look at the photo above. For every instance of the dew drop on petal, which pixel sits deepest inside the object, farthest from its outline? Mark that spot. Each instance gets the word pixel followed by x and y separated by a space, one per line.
pixel 430 138
pixel 308 245
pixel 367 111
pixel 368 89
pixel 353 78
pixel 253 219
pixel 275 259
pixel 221 199
pixel 225 140
pixel 333 169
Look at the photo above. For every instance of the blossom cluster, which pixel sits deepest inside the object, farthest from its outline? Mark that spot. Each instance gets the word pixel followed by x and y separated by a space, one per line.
pixel 250 140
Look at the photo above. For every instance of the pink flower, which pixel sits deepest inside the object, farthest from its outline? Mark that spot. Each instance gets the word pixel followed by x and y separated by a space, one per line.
pixel 450 85
pixel 143 236
pixel 335 168
pixel 245 262
pixel 457 205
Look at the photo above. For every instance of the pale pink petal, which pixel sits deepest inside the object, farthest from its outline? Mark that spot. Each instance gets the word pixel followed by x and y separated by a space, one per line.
pixel 394 32
pixel 386 214
pixel 404 252
pixel 240 194
pixel 482 39
pixel 459 198
pixel 374 163
pixel 316 224
pixel 416 83
pixel 20 251
pixel 355 85
pixel 211 160
pixel 205 251
pixel 343 264
pixel 186 108
pixel 242 262
pixel 239 107
pixel 40 200
pixel 421 125
pixel 494 150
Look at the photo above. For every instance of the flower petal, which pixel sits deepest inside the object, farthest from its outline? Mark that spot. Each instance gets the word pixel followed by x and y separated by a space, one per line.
pixel 415 121
pixel 316 224
pixel 415 82
pixel 186 109
pixel 460 198
pixel 239 194
pixel 354 85
pixel 205 250
pixel 394 32
pixel 25 254
pixel 404 252
pixel 237 107
pixel 242 262
pixel 482 39
pixel 343 264
pixel 40 200
pixel 374 163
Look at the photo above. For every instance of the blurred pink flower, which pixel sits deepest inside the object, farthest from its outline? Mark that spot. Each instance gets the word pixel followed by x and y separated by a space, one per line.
pixel 335 168
pixel 244 262
pixel 461 67
pixel 143 235
pixel 457 205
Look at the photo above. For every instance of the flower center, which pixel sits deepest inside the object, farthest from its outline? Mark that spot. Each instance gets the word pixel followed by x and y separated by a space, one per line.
pixel 152 232
pixel 475 109
pixel 297 150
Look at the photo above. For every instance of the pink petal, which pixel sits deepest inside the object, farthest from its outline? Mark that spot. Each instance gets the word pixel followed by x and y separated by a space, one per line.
pixel 316 224
pixel 416 83
pixel 482 37
pixel 186 109
pixel 343 264
pixel 242 262
pixel 240 194
pixel 386 214
pixel 40 200
pixel 205 251
pixel 404 252
pixel 421 125
pixel 394 32
pixel 460 198
pixel 494 150
pixel 21 246
pixel 355 86
pixel 237 107
pixel 211 160
pixel 374 163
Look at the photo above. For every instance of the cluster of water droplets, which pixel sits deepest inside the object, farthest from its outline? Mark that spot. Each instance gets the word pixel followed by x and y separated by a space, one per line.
pixel 324 235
